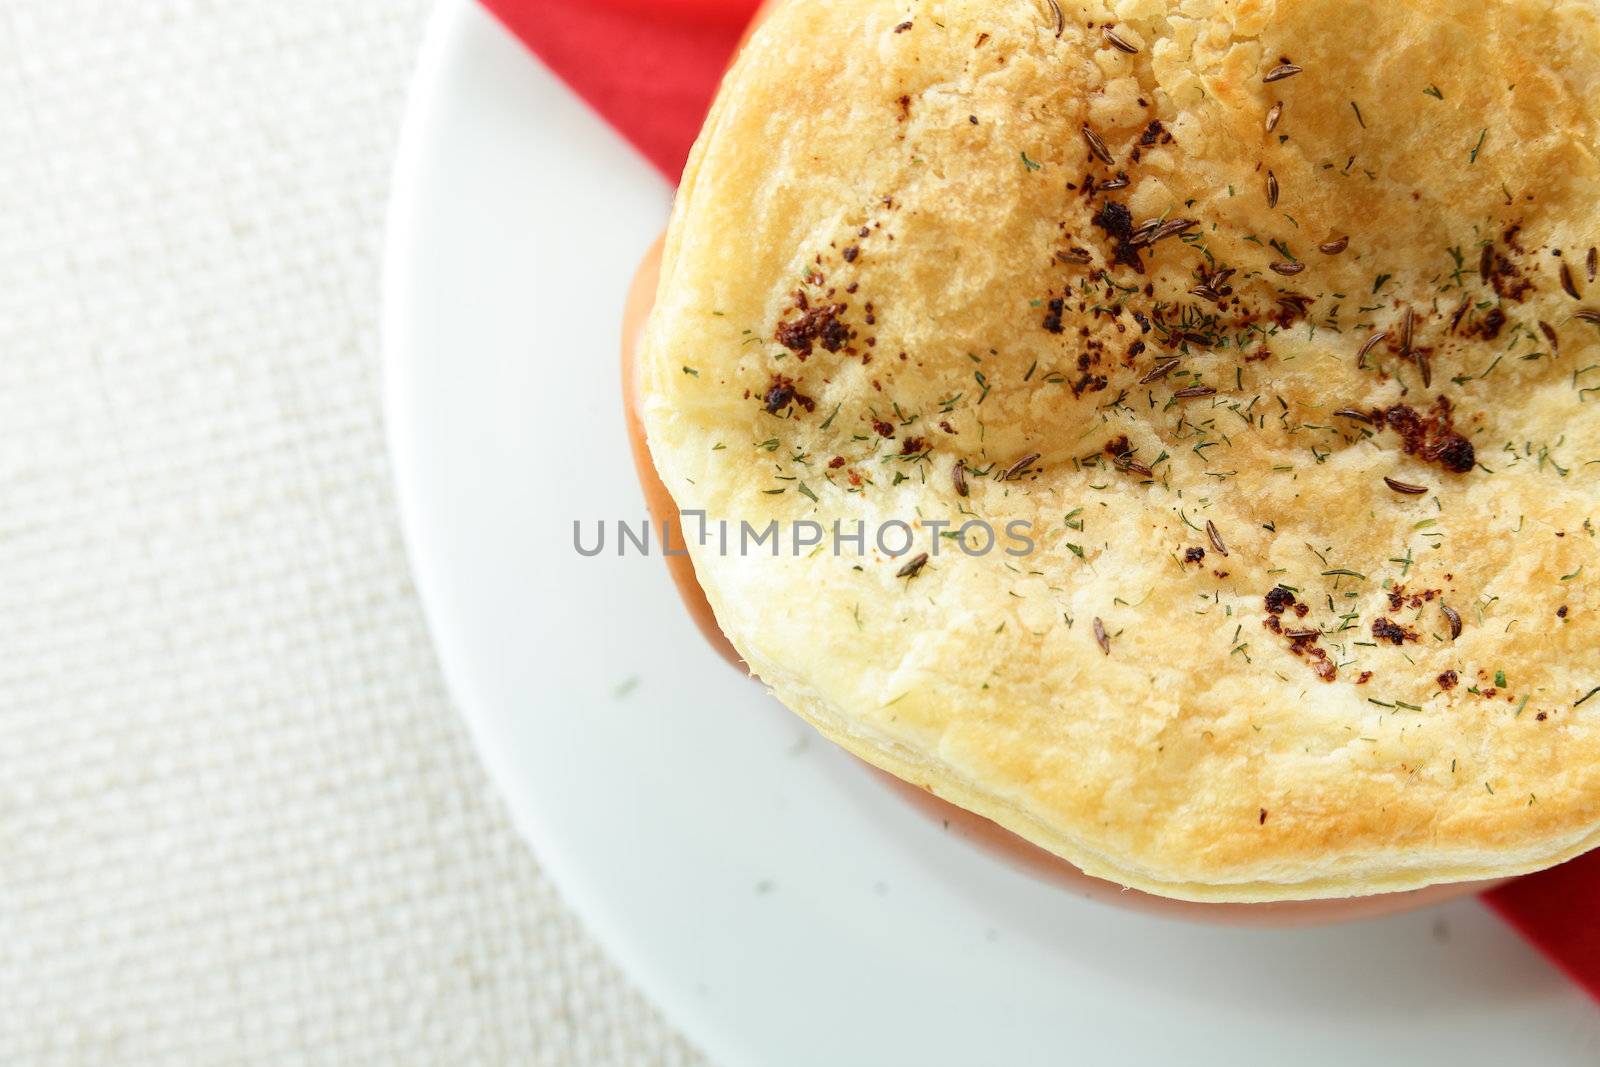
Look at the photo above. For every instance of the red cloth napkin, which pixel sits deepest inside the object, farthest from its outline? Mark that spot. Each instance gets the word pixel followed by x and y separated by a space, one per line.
pixel 1556 910
pixel 650 68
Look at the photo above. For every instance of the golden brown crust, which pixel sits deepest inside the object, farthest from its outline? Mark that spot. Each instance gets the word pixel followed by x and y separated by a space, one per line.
pixel 925 187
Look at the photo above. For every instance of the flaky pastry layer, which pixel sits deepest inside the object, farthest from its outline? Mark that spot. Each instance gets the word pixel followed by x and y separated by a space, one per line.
pixel 1277 327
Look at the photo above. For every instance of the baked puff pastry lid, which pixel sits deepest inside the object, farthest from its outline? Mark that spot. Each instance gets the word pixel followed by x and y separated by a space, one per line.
pixel 1275 325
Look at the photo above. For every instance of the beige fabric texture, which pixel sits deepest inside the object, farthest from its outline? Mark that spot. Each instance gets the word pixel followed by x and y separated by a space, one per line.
pixel 239 820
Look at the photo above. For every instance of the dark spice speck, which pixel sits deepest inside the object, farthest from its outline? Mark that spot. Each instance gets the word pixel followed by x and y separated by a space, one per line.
pixel 1052 320
pixel 1117 221
pixel 1384 630
pixel 816 325
pixel 1279 598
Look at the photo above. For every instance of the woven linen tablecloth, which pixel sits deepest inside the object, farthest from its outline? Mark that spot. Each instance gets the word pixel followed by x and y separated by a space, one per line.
pixel 239 820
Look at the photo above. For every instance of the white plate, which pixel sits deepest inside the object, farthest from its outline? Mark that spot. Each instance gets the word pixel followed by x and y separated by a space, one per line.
pixel 775 900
